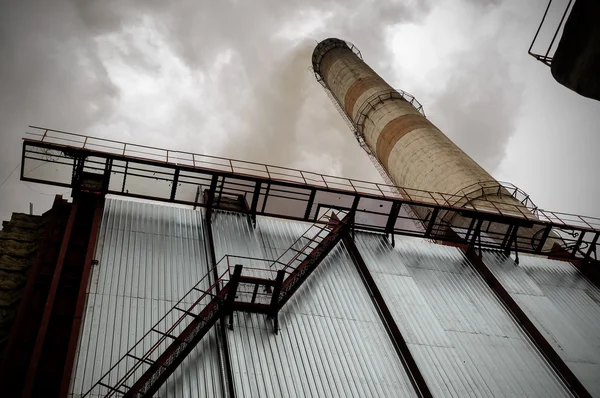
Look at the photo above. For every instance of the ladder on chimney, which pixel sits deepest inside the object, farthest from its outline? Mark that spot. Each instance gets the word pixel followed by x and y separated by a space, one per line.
pixel 142 370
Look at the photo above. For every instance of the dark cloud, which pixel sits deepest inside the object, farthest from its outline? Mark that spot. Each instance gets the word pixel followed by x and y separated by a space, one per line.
pixel 479 106
pixel 231 78
pixel 56 71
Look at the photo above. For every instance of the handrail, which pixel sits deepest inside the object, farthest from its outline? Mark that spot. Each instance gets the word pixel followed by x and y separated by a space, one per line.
pixel 296 176
pixel 547 57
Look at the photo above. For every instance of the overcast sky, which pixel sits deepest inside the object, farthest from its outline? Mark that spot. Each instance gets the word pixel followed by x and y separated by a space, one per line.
pixel 232 78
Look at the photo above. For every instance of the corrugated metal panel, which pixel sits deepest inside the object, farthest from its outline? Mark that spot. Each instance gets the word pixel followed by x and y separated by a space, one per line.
pixel 331 342
pixel 149 257
pixel 563 305
pixel 464 341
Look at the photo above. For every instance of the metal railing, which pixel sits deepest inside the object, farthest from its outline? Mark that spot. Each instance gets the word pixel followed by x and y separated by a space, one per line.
pixel 546 56
pixel 62 139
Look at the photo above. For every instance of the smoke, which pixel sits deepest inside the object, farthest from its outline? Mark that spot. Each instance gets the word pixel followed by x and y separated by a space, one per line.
pixel 232 78
pixel 470 86
pixel 477 106
pixel 227 78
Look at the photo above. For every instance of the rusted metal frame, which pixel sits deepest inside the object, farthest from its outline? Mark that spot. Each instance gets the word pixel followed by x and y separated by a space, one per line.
pixel 578 244
pixel 155 376
pixel 470 229
pixel 252 179
pixel 389 226
pixel 81 299
pixel 592 248
pixel 175 182
pixel 408 361
pixel 233 285
pixel 23 160
pixel 254 293
pixel 197 197
pixel 39 343
pixel 252 308
pixel 543 239
pixel 273 311
pixel 228 387
pixel 309 264
pixel 507 237
pixel 78 164
pixel 125 176
pixel 470 214
pixel 86 152
pixel 221 191
pixel 256 281
pixel 309 204
pixel 512 238
pixel 186 312
pixel 30 286
pixel 431 223
pixel 254 203
pixel 352 213
pixel 211 197
pixel 476 234
pixel 144 360
pixel 543 346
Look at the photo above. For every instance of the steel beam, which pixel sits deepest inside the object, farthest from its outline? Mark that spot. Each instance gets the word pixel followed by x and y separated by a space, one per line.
pixel 39 343
pixel 81 298
pixel 410 365
pixel 543 346
pixel 174 186
pixel 228 387
pixel 275 299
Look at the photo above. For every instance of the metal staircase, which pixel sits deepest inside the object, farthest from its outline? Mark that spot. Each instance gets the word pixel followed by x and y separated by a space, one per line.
pixel 150 362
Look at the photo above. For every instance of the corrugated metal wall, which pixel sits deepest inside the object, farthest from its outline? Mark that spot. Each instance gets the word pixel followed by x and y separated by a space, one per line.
pixel 563 305
pixel 149 257
pixel 464 341
pixel 331 342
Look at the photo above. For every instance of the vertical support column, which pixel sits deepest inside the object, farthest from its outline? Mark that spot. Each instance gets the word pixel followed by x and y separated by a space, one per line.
pixel 275 299
pixel 409 363
pixel 254 204
pixel 233 285
pixel 39 342
pixel 210 198
pixel 81 298
pixel 228 387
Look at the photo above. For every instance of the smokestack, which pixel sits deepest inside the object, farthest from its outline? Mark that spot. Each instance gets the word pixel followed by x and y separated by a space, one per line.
pixel 413 151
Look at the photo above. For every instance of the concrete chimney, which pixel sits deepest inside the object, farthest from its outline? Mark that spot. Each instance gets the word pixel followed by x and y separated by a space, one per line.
pixel 415 153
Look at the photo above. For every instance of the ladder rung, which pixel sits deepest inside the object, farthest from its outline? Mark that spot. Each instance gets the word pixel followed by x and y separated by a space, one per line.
pixel 165 334
pixel 204 292
pixel 112 388
pixel 186 312
pixel 146 361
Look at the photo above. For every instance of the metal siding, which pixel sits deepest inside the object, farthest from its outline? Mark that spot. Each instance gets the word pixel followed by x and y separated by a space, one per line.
pixel 464 341
pixel 331 342
pixel 563 305
pixel 149 257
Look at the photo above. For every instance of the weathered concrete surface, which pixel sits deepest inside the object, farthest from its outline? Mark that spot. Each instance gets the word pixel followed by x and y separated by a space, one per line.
pixel 19 240
pixel 415 152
